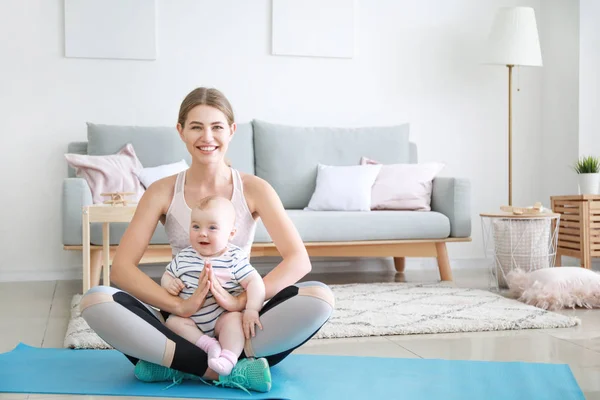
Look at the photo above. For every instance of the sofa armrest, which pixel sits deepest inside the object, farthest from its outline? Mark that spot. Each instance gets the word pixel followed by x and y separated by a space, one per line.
pixel 76 195
pixel 452 197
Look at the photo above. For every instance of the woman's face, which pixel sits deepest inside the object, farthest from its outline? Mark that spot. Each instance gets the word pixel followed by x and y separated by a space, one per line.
pixel 206 134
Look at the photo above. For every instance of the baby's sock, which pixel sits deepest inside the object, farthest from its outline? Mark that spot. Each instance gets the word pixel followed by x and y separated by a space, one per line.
pixel 210 345
pixel 224 364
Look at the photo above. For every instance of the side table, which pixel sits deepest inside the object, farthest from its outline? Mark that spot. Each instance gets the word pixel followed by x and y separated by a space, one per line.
pixel 579 233
pixel 105 214
pixel 525 241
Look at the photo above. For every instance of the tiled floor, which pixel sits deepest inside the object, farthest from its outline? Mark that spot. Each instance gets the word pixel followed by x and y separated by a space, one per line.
pixel 37 314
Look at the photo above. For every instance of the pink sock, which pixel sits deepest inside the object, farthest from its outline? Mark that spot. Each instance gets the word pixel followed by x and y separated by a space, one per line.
pixel 210 345
pixel 224 364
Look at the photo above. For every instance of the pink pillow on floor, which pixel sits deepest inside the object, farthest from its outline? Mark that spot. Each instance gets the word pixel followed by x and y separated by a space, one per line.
pixel 556 288
pixel 403 186
pixel 110 173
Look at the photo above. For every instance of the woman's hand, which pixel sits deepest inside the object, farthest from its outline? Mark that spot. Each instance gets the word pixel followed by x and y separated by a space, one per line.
pixel 191 305
pixel 224 298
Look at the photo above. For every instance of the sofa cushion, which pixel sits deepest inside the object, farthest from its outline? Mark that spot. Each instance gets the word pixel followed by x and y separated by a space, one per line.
pixel 159 145
pixel 241 149
pixel 287 156
pixel 324 226
pixel 117 230
pixel 328 226
pixel 154 145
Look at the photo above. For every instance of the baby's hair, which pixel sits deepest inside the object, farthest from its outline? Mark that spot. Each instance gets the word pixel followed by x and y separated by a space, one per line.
pixel 207 201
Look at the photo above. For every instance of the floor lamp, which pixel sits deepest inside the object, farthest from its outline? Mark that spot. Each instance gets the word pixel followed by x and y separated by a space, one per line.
pixel 513 41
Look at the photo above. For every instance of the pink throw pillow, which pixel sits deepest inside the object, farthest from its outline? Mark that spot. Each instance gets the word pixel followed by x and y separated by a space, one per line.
pixel 556 288
pixel 403 186
pixel 110 173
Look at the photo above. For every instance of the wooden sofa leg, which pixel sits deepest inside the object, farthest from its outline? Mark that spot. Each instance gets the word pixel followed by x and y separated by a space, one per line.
pixel 399 263
pixel 95 267
pixel 443 261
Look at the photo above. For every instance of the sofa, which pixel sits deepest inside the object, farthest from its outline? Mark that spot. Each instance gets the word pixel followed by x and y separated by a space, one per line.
pixel 287 157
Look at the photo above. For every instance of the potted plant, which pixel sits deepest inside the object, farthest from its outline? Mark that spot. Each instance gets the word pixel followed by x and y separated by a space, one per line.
pixel 588 170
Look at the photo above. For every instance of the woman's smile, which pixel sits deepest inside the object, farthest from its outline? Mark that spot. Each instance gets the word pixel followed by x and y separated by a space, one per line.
pixel 207 149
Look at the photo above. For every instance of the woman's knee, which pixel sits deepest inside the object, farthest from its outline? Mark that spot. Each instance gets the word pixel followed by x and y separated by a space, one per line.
pixel 292 319
pixel 97 295
pixel 317 290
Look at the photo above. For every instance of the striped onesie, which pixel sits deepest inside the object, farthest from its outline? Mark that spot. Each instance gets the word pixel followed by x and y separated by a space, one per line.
pixel 230 269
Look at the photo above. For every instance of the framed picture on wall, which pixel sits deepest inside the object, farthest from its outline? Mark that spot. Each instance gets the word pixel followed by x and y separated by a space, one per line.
pixel 314 28
pixel 118 29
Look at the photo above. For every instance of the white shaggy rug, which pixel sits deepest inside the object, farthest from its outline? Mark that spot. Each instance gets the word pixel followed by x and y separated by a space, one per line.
pixel 380 309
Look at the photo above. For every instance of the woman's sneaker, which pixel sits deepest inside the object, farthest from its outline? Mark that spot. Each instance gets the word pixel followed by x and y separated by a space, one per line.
pixel 149 372
pixel 248 374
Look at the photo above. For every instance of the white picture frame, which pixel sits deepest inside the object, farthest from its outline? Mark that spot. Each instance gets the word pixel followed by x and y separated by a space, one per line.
pixel 314 28
pixel 113 29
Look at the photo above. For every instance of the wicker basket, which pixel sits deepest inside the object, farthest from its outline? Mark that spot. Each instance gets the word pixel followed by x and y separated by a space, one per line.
pixel 522 243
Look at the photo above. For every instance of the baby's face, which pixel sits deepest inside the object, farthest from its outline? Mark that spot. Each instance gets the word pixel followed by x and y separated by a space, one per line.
pixel 211 229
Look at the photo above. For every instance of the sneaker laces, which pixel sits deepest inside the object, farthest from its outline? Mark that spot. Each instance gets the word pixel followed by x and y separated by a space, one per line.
pixel 176 381
pixel 179 378
pixel 229 380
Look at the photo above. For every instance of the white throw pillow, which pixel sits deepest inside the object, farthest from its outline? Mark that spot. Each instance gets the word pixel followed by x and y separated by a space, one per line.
pixel 343 188
pixel 150 175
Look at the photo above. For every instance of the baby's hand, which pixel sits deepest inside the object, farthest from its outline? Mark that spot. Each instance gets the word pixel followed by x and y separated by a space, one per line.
pixel 249 319
pixel 175 286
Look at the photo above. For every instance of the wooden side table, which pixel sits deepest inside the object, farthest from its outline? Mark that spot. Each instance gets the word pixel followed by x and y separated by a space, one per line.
pixel 105 214
pixel 579 232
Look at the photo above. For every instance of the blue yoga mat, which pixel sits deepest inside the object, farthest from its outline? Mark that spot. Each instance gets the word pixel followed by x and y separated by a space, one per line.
pixel 29 369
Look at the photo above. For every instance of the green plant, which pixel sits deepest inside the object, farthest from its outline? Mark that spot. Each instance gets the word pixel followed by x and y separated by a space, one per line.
pixel 587 165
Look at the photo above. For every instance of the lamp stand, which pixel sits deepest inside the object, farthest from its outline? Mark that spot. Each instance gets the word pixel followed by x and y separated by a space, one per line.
pixel 510 67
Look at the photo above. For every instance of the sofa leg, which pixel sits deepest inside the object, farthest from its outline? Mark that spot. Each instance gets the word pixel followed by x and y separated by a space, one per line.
pixel 443 261
pixel 95 267
pixel 399 263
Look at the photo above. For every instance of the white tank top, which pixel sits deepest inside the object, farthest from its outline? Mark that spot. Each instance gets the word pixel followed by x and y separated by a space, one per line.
pixel 178 219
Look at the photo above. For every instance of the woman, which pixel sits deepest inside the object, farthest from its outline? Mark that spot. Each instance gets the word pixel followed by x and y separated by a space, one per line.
pixel 294 312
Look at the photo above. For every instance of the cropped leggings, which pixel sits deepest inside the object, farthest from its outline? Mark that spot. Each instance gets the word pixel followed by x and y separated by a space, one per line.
pixel 289 319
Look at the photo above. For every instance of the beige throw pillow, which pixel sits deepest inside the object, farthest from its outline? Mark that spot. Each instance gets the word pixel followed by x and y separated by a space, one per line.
pixel 403 186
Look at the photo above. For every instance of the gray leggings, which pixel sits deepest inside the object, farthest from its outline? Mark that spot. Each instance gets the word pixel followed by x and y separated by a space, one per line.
pixel 137 330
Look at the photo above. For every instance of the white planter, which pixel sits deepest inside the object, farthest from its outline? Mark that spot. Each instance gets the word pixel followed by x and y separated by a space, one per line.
pixel 589 183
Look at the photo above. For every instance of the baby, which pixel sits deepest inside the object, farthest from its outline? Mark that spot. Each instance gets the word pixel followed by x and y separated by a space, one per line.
pixel 212 226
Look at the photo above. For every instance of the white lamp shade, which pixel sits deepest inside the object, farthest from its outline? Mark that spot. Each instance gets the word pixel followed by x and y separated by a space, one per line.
pixel 514 39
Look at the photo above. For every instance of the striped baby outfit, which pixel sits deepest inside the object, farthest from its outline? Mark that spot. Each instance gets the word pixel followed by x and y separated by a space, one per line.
pixel 230 269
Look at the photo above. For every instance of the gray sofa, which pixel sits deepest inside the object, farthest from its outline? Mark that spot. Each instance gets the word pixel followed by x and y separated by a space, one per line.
pixel 287 158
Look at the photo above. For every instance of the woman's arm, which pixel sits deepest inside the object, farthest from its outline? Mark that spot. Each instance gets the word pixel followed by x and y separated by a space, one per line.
pixel 125 272
pixel 296 263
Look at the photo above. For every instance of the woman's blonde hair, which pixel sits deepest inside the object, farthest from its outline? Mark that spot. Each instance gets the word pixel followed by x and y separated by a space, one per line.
pixel 209 97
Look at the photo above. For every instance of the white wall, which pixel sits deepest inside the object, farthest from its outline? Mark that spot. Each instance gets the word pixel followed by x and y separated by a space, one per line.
pixel 589 73
pixel 559 38
pixel 417 61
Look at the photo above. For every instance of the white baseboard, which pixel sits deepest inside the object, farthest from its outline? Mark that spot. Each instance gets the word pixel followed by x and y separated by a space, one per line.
pixel 263 266
pixel 49 275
